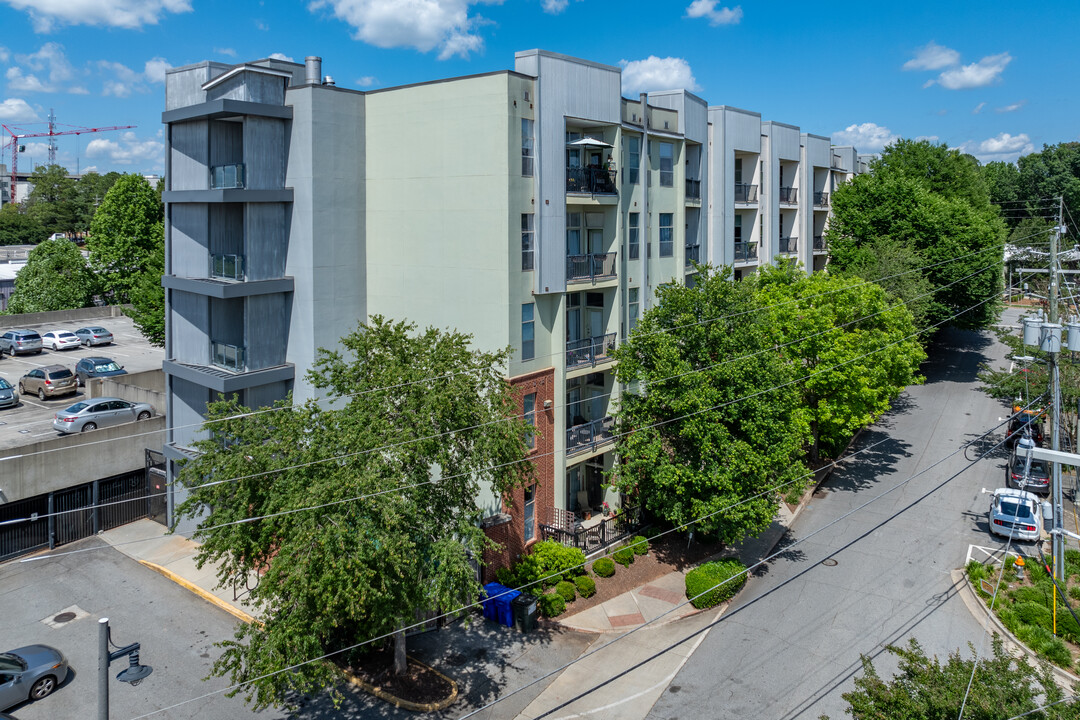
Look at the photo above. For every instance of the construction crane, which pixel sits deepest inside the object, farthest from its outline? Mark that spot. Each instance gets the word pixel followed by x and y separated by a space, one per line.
pixel 17 134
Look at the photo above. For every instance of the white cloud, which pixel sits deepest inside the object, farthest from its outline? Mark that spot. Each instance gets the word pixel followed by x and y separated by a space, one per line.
pixel 1002 147
pixel 978 108
pixel 155 68
pixel 225 51
pixel 124 81
pixel 980 74
pixel 366 81
pixel 17 82
pixel 90 169
pixel 260 25
pixel 554 7
pixel 1011 108
pixel 17 110
pixel 655 73
pixel 280 56
pixel 421 24
pixel 932 56
pixel 47 14
pixel 5 54
pixel 128 150
pixel 47 70
pixel 867 137
pixel 716 16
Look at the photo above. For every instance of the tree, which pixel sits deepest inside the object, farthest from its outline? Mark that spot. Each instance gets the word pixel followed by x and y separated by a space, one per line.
pixel 148 296
pixel 1047 175
pixel 828 326
pixel 712 417
pixel 1003 686
pixel 18 228
pixel 420 452
pixel 90 191
pixel 52 201
pixel 124 234
pixel 56 277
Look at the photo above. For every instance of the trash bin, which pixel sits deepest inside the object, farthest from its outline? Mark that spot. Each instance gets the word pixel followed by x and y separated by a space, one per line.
pixel 525 607
pixel 498 603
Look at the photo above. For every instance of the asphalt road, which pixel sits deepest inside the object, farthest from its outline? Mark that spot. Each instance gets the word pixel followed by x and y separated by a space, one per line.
pixel 791 644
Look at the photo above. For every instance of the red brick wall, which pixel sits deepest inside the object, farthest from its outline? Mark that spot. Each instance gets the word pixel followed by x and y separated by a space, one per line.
pixel 511 535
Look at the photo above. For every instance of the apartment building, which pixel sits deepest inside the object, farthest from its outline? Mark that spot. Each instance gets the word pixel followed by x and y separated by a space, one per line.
pixel 535 208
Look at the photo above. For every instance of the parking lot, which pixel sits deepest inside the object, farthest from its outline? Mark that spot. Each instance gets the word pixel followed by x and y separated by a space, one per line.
pixel 31 421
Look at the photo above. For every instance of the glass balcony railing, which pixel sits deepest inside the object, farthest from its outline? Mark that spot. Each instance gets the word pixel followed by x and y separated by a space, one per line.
pixel 789 244
pixel 745 193
pixel 588 352
pixel 590 435
pixel 230 357
pixel 594 266
pixel 693 254
pixel 819 242
pixel 789 195
pixel 590 180
pixel 821 198
pixel 693 189
pixel 745 252
pixel 227 267
pixel 223 177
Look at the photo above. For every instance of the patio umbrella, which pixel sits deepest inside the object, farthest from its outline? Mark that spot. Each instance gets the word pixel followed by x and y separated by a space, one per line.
pixel 589 142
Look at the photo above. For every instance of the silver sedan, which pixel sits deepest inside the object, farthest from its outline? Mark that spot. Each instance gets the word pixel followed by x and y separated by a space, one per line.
pixel 30 673
pixel 87 415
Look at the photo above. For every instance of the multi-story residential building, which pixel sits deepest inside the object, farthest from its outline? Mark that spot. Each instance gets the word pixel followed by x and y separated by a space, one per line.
pixel 535 208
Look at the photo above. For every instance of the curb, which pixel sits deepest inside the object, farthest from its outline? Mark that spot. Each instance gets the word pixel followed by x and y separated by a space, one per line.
pixel 406 704
pixel 207 596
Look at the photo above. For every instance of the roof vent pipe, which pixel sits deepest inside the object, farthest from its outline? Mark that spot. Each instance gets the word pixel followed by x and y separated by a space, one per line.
pixel 329 81
pixel 312 69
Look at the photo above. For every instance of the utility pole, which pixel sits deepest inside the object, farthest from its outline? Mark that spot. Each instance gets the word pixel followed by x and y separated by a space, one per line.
pixel 134 673
pixel 1058 546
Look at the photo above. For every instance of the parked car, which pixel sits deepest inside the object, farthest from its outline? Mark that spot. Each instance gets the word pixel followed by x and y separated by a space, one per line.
pixel 94 335
pixel 60 340
pixel 30 673
pixel 1023 424
pixel 100 412
pixel 95 367
pixel 20 342
pixel 49 381
pixel 1038 474
pixel 1016 514
pixel 8 395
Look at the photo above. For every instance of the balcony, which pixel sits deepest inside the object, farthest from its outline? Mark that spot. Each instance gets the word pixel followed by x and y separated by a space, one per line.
pixel 819 243
pixel 745 252
pixel 226 177
pixel 745 193
pixel 789 245
pixel 789 195
pixel 693 254
pixel 589 352
pixel 693 189
pixel 821 199
pixel 594 181
pixel 592 267
pixel 229 357
pixel 227 267
pixel 589 436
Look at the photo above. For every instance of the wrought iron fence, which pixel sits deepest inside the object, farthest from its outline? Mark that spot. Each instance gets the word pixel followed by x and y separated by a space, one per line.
pixel 819 242
pixel 589 351
pixel 789 244
pixel 589 436
pixel 590 180
pixel 821 198
pixel 693 254
pixel 623 523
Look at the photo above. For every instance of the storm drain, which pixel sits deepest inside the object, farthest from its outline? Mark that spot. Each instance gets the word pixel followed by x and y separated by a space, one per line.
pixel 65 617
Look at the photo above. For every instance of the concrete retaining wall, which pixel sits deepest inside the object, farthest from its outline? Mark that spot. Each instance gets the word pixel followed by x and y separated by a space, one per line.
pixel 148 387
pixel 31 320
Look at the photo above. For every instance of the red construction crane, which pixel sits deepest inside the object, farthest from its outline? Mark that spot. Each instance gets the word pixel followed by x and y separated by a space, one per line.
pixel 18 134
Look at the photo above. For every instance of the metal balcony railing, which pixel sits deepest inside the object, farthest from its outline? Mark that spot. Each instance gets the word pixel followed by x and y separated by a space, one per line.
pixel 819 242
pixel 227 267
pixel 587 352
pixel 588 436
pixel 693 254
pixel 223 177
pixel 789 244
pixel 597 181
pixel 230 357
pixel 745 193
pixel 821 198
pixel 789 195
pixel 590 267
pixel 693 189
pixel 745 251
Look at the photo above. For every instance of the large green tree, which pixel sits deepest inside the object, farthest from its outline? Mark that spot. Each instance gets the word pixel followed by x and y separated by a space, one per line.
pixel 858 348
pixel 147 296
pixel 19 228
pixel 53 201
pixel 124 234
pixel 56 277
pixel 90 192
pixel 421 453
pixel 712 418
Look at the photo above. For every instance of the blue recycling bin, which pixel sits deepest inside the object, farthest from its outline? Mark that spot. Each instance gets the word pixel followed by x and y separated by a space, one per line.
pixel 497 603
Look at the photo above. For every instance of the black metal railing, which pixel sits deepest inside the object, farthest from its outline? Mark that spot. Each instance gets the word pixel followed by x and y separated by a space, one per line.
pixel 745 193
pixel 789 244
pixel 819 242
pixel 821 198
pixel 587 352
pixel 745 251
pixel 693 254
pixel 227 176
pixel 590 180
pixel 789 195
pixel 590 267
pixel 228 267
pixel 693 189
pixel 589 435
pixel 622 523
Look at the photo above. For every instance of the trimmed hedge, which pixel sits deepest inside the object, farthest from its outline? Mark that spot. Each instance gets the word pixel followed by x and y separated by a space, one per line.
pixel 548 564
pixel 639 545
pixel 624 557
pixel 552 605
pixel 586 586
pixel 712 583
pixel 565 590
pixel 604 567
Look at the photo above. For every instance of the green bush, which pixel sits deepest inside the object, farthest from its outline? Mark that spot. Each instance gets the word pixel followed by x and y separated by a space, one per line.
pixel 1035 571
pixel 1072 562
pixel 604 567
pixel 585 585
pixel 639 545
pixel 565 590
pixel 714 582
pixel 1067 626
pixel 1074 592
pixel 548 564
pixel 506 576
pixel 976 571
pixel 1008 619
pixel 1043 642
pixel 624 557
pixel 552 605
pixel 1033 613
pixel 1030 594
pixel 651 532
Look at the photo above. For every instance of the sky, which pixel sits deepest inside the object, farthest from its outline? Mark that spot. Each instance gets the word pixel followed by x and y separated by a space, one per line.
pixel 994 79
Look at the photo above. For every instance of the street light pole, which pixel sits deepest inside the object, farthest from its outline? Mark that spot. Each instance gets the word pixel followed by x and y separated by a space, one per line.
pixel 134 673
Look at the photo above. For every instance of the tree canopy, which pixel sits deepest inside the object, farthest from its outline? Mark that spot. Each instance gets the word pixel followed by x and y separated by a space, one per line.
pixel 422 454
pixel 52 201
pixel 17 228
pixel 124 234
pixel 147 296
pixel 56 277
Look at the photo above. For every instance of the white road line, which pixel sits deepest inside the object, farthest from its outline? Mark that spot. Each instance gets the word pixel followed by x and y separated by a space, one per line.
pixel 31 402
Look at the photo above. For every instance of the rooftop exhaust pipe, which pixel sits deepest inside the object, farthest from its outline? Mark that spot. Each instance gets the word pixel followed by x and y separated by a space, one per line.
pixel 329 81
pixel 312 69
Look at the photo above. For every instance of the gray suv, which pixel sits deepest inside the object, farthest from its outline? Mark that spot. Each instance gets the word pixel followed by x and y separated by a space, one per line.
pixel 20 342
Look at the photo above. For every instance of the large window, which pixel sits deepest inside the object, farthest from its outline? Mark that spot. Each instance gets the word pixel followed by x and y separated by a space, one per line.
pixel 528 339
pixel 573 234
pixel 667 165
pixel 635 236
pixel 526 147
pixel 667 234
pixel 530 418
pixel 634 152
pixel 634 310
pixel 738 171
pixel 738 228
pixel 530 512
pixel 527 241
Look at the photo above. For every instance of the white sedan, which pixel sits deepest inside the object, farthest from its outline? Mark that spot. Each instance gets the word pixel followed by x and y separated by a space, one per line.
pixel 60 340
pixel 1016 514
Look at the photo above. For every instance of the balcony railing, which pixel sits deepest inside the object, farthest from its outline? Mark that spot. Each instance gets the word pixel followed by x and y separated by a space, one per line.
pixel 819 242
pixel 821 198
pixel 745 251
pixel 789 195
pixel 590 267
pixel 587 352
pixel 693 189
pixel 564 527
pixel 837 162
pixel 590 180
pixel 693 254
pixel 745 193
pixel 228 267
pixel 230 357
pixel 589 436
pixel 223 177
pixel 789 244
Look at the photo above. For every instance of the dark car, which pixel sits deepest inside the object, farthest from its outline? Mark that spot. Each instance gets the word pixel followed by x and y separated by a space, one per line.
pixel 95 367
pixel 1024 424
pixel 1037 477
pixel 30 673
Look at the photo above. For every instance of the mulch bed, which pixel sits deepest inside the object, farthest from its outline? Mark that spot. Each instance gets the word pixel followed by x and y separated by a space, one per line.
pixel 418 684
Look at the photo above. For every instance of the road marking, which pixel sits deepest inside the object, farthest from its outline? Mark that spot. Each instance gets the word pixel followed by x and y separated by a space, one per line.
pixel 31 402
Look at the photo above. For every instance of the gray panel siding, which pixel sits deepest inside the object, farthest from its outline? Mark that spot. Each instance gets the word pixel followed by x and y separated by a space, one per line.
pixel 184 87
pixel 817 151
pixel 226 229
pixel 188 320
pixel 785 141
pixel 187 406
pixel 227 321
pixel 226 142
pixel 265 240
pixel 262 396
pixel 189 243
pixel 263 315
pixel 188 159
pixel 250 87
pixel 743 130
pixel 264 153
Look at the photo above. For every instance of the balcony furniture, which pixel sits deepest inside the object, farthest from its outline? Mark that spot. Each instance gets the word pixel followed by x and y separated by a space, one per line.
pixel 593 534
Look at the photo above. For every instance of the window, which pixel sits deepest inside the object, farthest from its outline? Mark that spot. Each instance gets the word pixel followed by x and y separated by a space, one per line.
pixel 527 241
pixel 634 151
pixel 530 419
pixel 667 244
pixel 738 228
pixel 634 309
pixel 526 147
pixel 738 171
pixel 573 234
pixel 667 171
pixel 528 341
pixel 635 235
pixel 530 512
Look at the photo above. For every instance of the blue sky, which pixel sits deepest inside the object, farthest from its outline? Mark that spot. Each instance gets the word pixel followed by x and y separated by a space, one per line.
pixel 996 79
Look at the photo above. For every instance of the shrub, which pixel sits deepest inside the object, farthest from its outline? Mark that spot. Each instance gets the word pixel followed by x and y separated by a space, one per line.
pixel 651 532
pixel 565 590
pixel 1072 562
pixel 552 605
pixel 624 557
pixel 1036 614
pixel 1027 594
pixel 639 545
pixel 1074 592
pixel 1043 642
pixel 586 586
pixel 548 564
pixel 714 582
pixel 1067 626
pixel 604 567
pixel 506 576
pixel 1036 572
pixel 976 571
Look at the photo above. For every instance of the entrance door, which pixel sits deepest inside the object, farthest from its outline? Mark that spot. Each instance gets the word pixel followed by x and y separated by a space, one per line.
pixel 573 317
